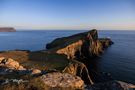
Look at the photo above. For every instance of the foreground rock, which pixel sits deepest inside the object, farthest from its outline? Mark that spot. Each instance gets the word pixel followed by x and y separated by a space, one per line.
pixel 10 64
pixel 62 80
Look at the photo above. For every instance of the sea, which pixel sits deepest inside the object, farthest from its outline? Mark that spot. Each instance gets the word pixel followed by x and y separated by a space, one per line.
pixel 118 59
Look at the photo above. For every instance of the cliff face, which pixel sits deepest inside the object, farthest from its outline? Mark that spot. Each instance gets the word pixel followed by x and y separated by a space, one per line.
pixel 71 49
pixel 79 47
pixel 65 41
pixel 59 65
pixel 82 45
pixel 7 29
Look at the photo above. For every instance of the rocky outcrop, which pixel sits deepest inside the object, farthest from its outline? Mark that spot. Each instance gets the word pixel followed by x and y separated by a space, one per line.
pixel 10 64
pixel 71 49
pixel 62 80
pixel 65 41
pixel 77 68
pixel 82 45
pixel 79 47
pixel 106 42
pixel 7 29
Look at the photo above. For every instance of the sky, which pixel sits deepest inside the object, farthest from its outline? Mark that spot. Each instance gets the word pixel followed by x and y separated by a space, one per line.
pixel 68 14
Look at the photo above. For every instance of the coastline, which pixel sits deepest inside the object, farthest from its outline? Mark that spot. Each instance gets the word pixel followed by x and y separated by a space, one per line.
pixel 58 47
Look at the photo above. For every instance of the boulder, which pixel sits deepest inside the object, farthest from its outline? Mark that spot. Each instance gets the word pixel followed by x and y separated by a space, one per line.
pixel 10 64
pixel 62 80
pixel 36 71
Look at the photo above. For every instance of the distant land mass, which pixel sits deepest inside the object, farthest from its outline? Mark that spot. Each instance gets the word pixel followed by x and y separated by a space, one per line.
pixel 7 29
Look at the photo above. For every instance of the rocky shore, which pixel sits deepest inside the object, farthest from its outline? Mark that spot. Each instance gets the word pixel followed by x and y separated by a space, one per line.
pixel 61 66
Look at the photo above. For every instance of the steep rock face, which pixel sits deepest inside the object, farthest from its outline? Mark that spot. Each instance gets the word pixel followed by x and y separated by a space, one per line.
pixel 65 41
pixel 71 49
pixel 77 68
pixel 80 45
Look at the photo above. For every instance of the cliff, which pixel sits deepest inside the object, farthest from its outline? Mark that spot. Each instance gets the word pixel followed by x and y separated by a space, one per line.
pixel 82 45
pixel 7 29
pixel 62 66
pixel 79 49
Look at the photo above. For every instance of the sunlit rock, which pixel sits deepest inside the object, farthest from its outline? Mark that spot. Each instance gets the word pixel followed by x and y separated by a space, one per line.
pixel 10 64
pixel 63 80
pixel 80 45
pixel 36 71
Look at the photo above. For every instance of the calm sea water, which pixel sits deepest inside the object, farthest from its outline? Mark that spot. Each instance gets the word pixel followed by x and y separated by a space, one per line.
pixel 119 59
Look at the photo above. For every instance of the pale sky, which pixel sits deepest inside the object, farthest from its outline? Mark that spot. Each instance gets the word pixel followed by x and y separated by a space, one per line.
pixel 68 14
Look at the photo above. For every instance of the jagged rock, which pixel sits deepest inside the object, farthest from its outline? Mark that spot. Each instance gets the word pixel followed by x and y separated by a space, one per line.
pixel 91 48
pixel 71 49
pixel 64 41
pixel 80 45
pixel 79 69
pixel 106 42
pixel 10 64
pixel 62 80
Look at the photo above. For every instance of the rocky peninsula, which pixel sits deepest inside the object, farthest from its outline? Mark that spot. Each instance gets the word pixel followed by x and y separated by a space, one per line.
pixel 7 29
pixel 61 66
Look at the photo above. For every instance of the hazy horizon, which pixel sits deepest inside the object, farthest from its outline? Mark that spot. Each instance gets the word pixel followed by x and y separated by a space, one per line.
pixel 68 14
